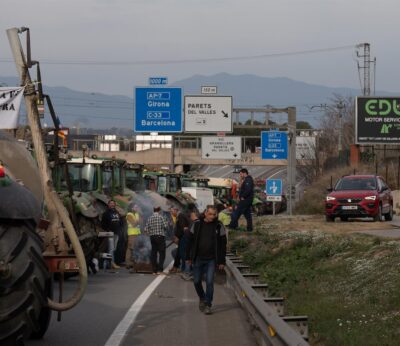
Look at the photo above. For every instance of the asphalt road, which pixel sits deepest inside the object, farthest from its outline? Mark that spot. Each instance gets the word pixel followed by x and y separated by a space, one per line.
pixel 165 319
pixel 106 301
pixel 91 322
pixel 257 172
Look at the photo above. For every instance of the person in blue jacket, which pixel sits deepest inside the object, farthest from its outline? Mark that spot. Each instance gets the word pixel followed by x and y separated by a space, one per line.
pixel 246 195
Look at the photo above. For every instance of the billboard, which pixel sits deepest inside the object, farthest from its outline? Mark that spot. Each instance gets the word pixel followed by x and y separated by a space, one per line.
pixel 378 120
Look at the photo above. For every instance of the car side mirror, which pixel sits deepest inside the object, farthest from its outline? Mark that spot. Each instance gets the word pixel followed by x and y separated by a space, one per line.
pixel 329 189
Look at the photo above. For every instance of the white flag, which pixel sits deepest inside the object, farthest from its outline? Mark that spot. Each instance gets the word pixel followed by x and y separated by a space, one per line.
pixel 10 101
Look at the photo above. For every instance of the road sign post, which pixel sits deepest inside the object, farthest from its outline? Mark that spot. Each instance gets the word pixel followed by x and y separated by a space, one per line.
pixel 274 145
pixel 221 148
pixel 208 114
pixel 158 110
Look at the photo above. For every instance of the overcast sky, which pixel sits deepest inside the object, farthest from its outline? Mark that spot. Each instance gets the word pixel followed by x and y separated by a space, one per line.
pixel 146 30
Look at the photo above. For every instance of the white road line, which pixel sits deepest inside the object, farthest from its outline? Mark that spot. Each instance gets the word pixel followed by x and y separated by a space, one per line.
pixel 282 170
pixel 121 331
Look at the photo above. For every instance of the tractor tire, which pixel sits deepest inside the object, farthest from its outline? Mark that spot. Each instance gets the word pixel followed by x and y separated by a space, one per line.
pixel 89 241
pixel 23 296
pixel 45 314
pixel 87 236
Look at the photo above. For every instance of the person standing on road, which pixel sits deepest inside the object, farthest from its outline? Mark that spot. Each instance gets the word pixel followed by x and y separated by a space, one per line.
pixel 133 219
pixel 246 195
pixel 112 221
pixel 181 226
pixel 156 228
pixel 206 249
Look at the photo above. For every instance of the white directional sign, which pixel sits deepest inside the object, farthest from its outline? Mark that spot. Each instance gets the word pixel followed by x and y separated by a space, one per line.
pixel 208 113
pixel 274 198
pixel 228 148
pixel 211 90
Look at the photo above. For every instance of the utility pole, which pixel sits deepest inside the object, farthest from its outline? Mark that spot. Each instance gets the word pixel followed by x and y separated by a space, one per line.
pixel 366 55
pixel 340 106
pixel 291 173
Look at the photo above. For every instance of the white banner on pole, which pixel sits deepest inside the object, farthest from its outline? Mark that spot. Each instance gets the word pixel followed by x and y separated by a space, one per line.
pixel 10 102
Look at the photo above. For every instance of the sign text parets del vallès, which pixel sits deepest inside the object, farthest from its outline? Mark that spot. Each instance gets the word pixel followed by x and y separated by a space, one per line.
pixel 378 120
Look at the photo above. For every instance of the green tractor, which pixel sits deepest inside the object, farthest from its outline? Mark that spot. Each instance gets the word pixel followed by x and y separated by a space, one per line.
pixel 37 238
pixel 75 181
pixel 169 185
pixel 200 182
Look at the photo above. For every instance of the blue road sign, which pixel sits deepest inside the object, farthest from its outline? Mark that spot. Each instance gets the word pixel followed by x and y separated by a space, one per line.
pixel 158 81
pixel 274 145
pixel 274 187
pixel 158 109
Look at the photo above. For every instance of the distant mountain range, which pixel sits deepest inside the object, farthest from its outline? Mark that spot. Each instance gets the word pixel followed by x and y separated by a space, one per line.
pixel 112 112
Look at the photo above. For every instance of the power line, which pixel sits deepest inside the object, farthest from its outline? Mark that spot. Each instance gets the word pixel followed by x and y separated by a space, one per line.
pixel 66 98
pixel 186 61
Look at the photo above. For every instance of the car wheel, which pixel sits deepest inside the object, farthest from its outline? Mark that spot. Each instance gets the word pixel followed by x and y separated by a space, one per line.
pixel 344 218
pixel 378 217
pixel 389 215
pixel 329 218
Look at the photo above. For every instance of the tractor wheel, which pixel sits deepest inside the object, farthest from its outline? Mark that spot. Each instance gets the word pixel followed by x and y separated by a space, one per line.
pixel 24 280
pixel 87 236
pixel 45 314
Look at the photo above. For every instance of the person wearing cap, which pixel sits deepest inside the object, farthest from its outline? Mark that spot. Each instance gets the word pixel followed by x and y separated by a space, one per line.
pixel 156 227
pixel 133 219
pixel 246 195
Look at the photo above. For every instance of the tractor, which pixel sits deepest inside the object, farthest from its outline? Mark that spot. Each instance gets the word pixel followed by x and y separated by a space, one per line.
pixel 169 185
pixel 37 237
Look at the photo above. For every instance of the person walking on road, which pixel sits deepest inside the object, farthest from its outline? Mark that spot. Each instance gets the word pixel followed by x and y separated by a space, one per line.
pixel 133 219
pixel 156 228
pixel 206 250
pixel 112 221
pixel 246 195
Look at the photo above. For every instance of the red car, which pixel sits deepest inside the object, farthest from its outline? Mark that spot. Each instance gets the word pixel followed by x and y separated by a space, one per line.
pixel 359 196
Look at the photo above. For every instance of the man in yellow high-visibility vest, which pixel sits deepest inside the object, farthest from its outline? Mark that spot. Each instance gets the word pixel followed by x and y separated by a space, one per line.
pixel 133 219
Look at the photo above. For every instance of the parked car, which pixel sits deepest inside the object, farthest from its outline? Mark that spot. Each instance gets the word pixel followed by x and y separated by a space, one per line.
pixel 359 196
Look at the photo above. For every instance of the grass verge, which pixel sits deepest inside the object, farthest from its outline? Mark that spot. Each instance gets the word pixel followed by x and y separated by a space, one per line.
pixel 348 285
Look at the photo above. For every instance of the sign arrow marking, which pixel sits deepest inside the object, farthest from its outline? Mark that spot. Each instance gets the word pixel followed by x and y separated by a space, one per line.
pixel 225 114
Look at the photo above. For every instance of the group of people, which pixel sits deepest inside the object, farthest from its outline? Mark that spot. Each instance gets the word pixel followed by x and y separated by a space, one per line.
pixel 201 238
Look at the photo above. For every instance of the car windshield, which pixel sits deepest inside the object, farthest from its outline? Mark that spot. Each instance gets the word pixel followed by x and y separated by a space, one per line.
pixel 194 183
pixel 356 184
pixel 83 177
pixel 134 180
pixel 173 184
pixel 162 185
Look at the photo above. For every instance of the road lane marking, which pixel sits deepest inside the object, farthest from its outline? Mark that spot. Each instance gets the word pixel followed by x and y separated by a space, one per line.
pixel 282 170
pixel 121 331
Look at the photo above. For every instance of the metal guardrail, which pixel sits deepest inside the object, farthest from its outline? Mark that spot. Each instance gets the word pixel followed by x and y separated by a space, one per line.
pixel 265 313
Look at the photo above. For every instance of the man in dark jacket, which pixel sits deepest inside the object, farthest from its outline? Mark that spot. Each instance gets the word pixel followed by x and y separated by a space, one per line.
pixel 112 221
pixel 206 249
pixel 246 195
pixel 181 226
